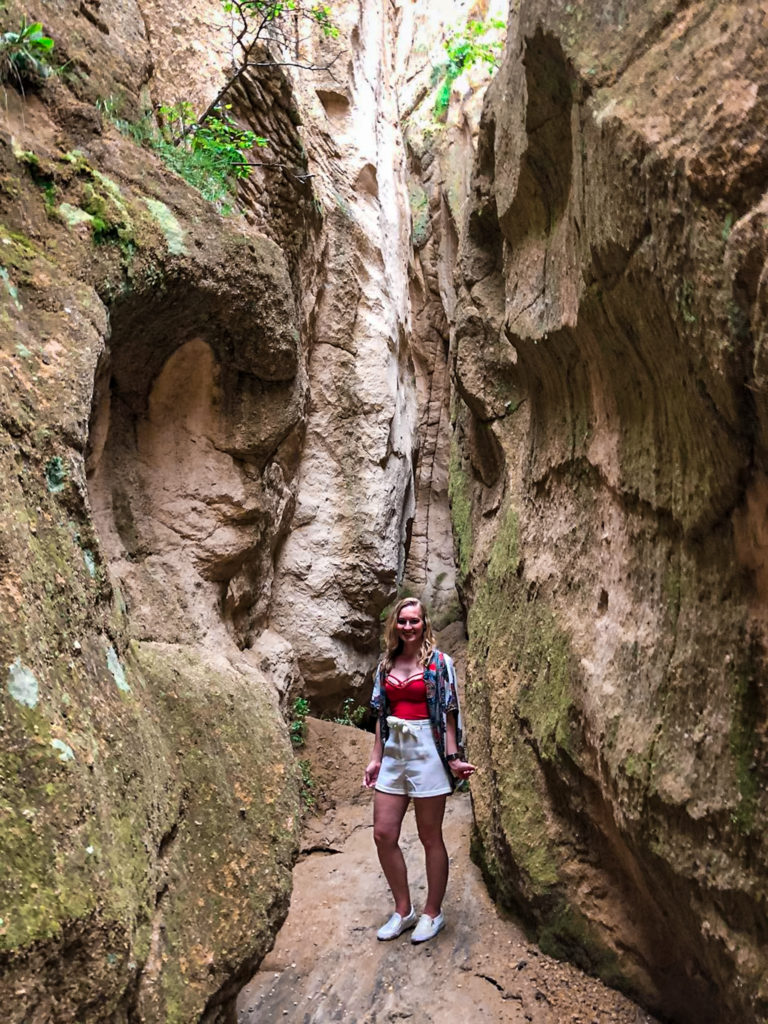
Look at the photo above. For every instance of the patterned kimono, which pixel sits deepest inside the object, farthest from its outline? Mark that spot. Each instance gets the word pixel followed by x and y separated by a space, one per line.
pixel 442 697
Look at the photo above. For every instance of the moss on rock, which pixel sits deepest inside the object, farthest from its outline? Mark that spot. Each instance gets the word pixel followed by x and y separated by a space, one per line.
pixel 461 509
pixel 148 794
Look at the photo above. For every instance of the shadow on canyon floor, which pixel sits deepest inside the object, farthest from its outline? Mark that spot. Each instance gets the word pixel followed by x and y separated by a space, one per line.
pixel 327 965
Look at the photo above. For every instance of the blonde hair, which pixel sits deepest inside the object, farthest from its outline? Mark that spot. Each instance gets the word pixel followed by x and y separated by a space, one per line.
pixel 393 645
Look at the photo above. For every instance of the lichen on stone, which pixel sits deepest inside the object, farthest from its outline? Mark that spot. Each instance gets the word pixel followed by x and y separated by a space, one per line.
pixel 169 223
pixel 117 671
pixel 66 753
pixel 10 287
pixel 56 474
pixel 22 684
pixel 74 215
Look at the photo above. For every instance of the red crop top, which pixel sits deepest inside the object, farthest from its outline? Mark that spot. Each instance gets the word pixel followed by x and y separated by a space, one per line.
pixel 407 697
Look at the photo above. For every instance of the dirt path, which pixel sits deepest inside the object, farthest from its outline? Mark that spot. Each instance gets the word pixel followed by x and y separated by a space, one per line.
pixel 328 966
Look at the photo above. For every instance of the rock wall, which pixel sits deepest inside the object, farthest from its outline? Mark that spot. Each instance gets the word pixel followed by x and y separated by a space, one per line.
pixel 372 511
pixel 153 394
pixel 343 558
pixel 441 148
pixel 608 494
pixel 210 429
pixel 227 445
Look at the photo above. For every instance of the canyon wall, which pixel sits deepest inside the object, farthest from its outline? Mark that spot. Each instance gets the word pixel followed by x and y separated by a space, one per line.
pixel 153 380
pixel 228 441
pixel 608 486
pixel 210 429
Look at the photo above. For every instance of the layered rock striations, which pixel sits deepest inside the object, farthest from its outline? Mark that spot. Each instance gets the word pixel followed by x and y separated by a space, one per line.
pixel 608 494
pixel 344 556
pixel 439 117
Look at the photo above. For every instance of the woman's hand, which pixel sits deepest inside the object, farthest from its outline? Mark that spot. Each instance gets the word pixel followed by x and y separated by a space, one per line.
pixel 371 774
pixel 462 769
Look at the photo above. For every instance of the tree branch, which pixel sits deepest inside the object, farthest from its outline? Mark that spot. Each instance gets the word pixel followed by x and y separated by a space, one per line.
pixel 239 74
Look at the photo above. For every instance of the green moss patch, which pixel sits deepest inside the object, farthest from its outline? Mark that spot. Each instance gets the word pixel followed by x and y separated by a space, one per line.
pixel 523 819
pixel 520 706
pixel 419 204
pixel 461 509
pixel 746 671
pixel 567 935
pixel 169 224
pixel 511 627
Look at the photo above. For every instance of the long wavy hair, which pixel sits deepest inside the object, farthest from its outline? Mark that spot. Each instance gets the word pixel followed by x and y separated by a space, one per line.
pixel 393 645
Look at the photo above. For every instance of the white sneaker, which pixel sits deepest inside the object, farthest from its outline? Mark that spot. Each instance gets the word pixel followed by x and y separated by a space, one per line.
pixel 428 927
pixel 396 925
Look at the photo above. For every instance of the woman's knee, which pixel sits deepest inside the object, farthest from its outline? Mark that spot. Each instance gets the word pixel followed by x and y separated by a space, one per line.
pixel 431 838
pixel 385 835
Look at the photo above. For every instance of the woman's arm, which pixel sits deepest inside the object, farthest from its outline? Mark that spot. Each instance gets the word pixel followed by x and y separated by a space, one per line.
pixel 460 768
pixel 372 771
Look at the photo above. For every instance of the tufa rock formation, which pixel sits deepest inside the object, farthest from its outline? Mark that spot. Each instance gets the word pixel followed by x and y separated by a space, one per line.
pixel 228 440
pixel 609 498
pixel 208 438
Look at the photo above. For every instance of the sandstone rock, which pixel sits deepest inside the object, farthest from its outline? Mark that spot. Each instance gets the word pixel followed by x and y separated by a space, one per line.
pixel 607 486
pixel 227 447
pixel 152 383
pixel 440 161
pixel 342 561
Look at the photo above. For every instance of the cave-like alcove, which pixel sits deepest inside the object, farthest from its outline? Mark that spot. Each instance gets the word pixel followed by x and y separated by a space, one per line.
pixel 189 458
pixel 544 181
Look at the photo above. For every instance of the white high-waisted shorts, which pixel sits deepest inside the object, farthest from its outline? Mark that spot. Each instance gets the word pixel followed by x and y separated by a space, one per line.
pixel 410 764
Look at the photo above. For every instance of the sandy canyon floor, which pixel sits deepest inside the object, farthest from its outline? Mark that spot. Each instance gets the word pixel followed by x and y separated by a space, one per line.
pixel 327 964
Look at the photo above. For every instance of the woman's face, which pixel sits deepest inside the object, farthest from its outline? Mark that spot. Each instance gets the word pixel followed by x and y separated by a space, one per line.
pixel 410 623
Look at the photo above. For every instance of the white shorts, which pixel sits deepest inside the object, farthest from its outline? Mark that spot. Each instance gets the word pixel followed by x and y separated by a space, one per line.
pixel 410 764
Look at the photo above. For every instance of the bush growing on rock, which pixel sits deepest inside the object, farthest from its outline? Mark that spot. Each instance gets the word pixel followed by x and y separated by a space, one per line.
pixel 24 55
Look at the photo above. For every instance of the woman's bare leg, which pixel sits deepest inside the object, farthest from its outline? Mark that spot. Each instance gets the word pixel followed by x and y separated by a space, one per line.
pixel 388 813
pixel 429 820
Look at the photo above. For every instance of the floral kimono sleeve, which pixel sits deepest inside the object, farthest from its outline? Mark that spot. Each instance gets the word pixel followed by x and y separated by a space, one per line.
pixel 451 697
pixel 379 704
pixel 378 695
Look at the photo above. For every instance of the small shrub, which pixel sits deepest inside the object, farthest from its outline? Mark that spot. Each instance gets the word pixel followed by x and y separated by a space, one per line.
pixel 351 713
pixel 272 11
pixel 298 724
pixel 218 141
pixel 210 155
pixel 24 55
pixel 463 48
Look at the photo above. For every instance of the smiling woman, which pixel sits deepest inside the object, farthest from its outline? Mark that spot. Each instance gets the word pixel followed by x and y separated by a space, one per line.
pixel 416 755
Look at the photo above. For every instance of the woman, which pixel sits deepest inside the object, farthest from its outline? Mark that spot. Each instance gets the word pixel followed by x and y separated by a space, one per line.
pixel 416 755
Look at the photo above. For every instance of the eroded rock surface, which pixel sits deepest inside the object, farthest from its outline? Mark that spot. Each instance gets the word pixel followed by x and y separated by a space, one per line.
pixel 226 444
pixel 210 431
pixel 153 387
pixel 607 492
pixel 340 565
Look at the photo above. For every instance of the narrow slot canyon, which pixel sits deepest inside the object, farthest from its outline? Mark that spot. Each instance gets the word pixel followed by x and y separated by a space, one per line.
pixel 308 309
